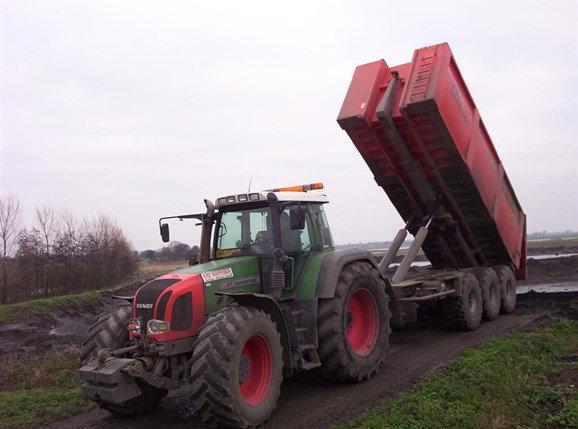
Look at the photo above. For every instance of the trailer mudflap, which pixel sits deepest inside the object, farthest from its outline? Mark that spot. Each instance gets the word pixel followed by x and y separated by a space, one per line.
pixel 107 382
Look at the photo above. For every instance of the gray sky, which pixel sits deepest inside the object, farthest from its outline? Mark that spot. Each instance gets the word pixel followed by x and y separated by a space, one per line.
pixel 141 109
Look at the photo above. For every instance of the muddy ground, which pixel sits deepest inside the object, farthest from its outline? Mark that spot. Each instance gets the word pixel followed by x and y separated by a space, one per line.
pixel 308 400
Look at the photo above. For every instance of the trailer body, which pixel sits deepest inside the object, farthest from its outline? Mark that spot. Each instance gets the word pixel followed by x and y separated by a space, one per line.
pixel 419 131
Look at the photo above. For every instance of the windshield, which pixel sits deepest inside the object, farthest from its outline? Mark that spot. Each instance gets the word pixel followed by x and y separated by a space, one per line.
pixel 244 230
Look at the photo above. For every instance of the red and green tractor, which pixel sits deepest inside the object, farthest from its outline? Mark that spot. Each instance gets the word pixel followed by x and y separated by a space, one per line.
pixel 270 297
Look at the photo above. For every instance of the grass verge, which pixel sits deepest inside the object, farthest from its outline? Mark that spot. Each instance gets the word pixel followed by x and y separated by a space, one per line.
pixel 39 307
pixel 33 407
pixel 39 389
pixel 526 380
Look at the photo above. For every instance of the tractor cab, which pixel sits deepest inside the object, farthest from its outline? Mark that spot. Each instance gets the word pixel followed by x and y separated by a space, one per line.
pixel 281 227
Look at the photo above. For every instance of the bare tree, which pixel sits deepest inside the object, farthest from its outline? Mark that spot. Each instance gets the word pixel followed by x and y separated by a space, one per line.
pixel 10 225
pixel 49 225
pixel 69 224
pixel 110 253
pixel 31 265
pixel 60 254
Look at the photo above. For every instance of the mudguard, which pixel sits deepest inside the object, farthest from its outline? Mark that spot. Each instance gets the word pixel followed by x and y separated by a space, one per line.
pixel 331 268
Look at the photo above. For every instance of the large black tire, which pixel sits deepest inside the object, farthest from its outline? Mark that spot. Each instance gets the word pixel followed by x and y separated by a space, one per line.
pixel 237 368
pixel 491 295
pixel 110 331
pixel 353 326
pixel 507 287
pixel 464 313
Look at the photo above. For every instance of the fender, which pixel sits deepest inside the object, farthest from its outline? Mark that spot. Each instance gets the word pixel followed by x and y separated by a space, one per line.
pixel 331 269
pixel 269 306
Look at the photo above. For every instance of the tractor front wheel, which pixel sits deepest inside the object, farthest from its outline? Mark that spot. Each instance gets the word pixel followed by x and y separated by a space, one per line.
pixel 353 326
pixel 110 331
pixel 237 368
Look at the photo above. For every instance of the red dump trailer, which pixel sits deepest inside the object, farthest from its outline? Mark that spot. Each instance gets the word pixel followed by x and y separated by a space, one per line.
pixel 419 131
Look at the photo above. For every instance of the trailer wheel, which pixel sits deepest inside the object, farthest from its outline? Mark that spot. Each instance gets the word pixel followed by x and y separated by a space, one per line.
pixel 237 368
pixel 464 312
pixel 491 295
pixel 110 331
pixel 507 288
pixel 353 326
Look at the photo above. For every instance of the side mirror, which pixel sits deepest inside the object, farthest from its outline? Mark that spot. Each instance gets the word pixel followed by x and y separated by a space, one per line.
pixel 166 236
pixel 297 217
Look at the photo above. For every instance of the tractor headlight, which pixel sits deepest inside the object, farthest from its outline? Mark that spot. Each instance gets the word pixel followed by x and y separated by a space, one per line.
pixel 135 325
pixel 157 326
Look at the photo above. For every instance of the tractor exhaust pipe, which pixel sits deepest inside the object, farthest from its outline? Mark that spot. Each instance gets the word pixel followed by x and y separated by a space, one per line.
pixel 277 273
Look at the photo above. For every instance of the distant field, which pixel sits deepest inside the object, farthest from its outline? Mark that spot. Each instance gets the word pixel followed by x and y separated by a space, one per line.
pixel 157 268
pixel 552 242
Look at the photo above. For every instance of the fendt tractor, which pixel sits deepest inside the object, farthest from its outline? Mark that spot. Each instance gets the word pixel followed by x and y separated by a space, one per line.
pixel 271 297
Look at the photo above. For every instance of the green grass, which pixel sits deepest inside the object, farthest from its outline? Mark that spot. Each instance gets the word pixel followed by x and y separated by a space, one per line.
pixel 39 389
pixel 26 408
pixel 514 382
pixel 552 242
pixel 22 310
pixel 24 371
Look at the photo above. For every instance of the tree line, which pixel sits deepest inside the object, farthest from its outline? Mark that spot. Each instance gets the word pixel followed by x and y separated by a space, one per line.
pixel 59 254
pixel 175 251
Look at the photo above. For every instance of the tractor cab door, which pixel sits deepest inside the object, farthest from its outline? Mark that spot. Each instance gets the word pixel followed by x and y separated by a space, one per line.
pixel 298 241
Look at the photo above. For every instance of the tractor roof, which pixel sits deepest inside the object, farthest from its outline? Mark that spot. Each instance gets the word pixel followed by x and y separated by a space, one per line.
pixel 293 193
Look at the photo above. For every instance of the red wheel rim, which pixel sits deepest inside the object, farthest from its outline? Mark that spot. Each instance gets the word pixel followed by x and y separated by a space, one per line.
pixel 362 322
pixel 255 369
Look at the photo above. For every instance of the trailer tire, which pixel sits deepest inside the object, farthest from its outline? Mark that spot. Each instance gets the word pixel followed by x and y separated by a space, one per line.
pixel 491 294
pixel 110 331
pixel 464 313
pixel 237 368
pixel 353 326
pixel 507 287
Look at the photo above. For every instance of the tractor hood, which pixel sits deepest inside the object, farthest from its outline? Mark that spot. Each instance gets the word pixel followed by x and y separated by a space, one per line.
pixel 183 298
pixel 174 298
pixel 238 274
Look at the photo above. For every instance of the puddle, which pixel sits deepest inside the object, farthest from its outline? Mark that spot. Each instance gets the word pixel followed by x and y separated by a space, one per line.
pixel 551 256
pixel 548 288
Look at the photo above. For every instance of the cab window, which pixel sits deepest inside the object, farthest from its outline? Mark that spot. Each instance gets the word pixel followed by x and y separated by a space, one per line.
pixel 243 229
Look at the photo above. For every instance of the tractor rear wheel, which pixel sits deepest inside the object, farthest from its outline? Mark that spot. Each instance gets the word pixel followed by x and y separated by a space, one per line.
pixel 237 368
pixel 109 331
pixel 464 312
pixel 507 288
pixel 353 326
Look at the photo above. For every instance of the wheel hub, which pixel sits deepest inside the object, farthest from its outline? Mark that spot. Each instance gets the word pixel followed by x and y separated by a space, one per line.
pixel 349 320
pixel 362 322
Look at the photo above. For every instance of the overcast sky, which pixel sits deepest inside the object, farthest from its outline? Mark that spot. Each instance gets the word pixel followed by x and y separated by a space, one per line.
pixel 141 109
